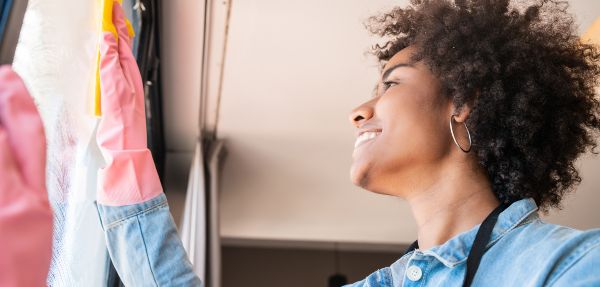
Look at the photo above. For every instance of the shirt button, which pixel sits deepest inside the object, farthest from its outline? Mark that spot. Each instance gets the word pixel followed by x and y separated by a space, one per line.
pixel 414 273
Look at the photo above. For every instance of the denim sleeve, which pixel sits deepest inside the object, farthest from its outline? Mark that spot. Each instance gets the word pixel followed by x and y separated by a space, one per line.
pixel 580 267
pixel 144 246
pixel 379 278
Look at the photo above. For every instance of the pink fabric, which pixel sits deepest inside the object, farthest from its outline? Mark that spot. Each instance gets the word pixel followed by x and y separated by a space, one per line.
pixel 25 214
pixel 129 176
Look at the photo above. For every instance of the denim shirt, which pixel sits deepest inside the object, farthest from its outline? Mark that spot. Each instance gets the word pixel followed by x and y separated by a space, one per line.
pixel 144 246
pixel 523 251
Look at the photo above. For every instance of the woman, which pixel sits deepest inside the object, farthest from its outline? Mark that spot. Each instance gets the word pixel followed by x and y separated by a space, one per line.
pixel 478 118
pixel 480 114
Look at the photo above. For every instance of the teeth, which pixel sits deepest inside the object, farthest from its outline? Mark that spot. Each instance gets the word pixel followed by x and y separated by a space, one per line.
pixel 366 136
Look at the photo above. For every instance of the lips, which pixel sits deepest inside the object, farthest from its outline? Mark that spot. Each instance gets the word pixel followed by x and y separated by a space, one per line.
pixel 365 136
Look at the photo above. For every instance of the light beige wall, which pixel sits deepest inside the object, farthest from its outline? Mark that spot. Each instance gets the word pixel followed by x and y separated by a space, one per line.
pixel 181 32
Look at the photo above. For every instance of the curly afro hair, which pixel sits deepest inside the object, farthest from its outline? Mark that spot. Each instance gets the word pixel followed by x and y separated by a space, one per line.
pixel 530 80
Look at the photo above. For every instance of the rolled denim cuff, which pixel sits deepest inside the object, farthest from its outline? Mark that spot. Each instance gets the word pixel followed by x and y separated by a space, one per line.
pixel 144 246
pixel 113 215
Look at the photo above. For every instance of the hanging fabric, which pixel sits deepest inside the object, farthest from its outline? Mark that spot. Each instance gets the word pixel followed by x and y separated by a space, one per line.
pixel 200 225
pixel 56 46
pixel 193 225
pixel 5 8
pixel 11 18
pixel 145 18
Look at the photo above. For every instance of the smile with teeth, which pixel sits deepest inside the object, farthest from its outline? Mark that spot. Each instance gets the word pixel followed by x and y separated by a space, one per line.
pixel 365 137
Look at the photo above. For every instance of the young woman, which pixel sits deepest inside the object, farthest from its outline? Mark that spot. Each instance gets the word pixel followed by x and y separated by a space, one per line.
pixel 479 116
pixel 480 113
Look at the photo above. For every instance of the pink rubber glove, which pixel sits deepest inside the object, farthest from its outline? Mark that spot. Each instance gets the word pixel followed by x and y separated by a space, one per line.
pixel 25 214
pixel 129 176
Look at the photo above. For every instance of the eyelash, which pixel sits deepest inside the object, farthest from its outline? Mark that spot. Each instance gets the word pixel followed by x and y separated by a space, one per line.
pixel 388 84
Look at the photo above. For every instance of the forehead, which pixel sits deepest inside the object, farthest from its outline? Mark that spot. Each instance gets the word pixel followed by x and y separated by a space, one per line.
pixel 403 56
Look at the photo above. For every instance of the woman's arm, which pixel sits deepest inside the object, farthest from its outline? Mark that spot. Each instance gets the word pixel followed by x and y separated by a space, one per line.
pixel 144 245
pixel 140 233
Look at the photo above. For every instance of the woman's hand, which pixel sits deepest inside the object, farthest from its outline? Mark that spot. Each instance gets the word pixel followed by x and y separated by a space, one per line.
pixel 25 214
pixel 129 176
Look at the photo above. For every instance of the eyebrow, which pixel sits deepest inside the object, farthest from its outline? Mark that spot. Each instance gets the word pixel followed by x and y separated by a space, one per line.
pixel 390 70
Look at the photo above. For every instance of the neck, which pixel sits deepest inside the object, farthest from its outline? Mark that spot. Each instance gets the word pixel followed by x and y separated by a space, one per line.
pixel 455 202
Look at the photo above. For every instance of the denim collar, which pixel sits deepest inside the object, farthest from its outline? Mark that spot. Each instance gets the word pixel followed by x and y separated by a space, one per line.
pixel 456 250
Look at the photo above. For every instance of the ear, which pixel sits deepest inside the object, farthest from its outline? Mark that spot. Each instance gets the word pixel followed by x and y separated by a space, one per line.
pixel 461 114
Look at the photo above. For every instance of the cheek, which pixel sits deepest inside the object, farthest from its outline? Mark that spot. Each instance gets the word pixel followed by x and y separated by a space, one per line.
pixel 413 131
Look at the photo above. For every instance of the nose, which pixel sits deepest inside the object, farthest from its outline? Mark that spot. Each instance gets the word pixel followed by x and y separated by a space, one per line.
pixel 362 114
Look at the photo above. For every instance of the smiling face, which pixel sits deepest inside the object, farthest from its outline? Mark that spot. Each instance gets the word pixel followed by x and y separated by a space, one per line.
pixel 403 135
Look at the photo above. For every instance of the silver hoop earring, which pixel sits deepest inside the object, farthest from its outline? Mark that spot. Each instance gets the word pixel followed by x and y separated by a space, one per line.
pixel 454 138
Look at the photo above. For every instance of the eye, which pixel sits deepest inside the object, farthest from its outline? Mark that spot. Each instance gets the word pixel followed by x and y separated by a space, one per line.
pixel 388 84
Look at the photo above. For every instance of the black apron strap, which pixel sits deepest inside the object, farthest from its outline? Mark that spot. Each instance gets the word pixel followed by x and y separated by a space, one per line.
pixel 412 247
pixel 478 249
pixel 481 240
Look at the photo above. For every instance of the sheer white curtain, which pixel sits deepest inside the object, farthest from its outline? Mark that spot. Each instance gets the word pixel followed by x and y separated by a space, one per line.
pixel 55 56
pixel 193 225
pixel 200 223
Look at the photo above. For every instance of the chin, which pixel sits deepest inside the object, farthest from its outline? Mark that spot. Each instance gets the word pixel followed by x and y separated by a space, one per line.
pixel 360 176
pixel 357 180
